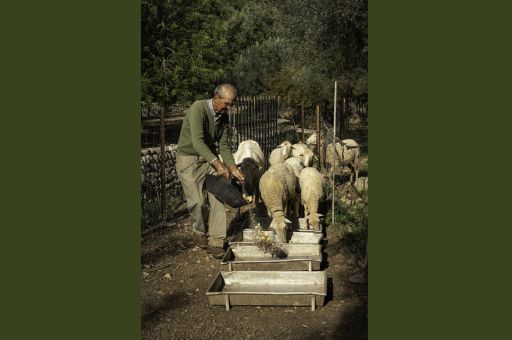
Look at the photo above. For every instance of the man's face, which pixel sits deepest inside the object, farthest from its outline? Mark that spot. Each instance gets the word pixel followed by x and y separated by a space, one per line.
pixel 222 105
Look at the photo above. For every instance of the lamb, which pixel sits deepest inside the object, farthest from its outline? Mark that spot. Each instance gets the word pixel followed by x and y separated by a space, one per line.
pixel 277 187
pixel 249 158
pixel 346 155
pixel 302 152
pixel 311 181
pixel 281 153
pixel 252 172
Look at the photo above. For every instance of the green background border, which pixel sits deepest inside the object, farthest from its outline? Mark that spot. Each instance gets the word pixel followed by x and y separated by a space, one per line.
pixel 70 141
pixel 438 74
pixel 70 254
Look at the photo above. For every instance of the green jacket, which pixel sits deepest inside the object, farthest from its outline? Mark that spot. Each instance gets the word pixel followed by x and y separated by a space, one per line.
pixel 199 133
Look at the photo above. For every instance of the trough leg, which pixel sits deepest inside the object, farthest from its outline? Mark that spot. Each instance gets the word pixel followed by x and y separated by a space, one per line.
pixel 313 303
pixel 226 300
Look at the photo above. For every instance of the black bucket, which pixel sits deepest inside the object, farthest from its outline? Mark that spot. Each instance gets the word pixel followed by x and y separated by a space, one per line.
pixel 224 191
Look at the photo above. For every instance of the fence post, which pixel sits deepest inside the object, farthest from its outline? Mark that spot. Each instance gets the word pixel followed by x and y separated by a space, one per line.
pixel 162 163
pixel 334 156
pixel 302 118
pixel 318 132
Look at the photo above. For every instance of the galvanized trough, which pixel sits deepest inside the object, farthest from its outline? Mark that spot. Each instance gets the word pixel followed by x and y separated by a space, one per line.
pixel 271 288
pixel 248 257
pixel 304 226
pixel 248 236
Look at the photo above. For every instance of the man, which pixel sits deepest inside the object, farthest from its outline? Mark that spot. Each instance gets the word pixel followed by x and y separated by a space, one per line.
pixel 206 126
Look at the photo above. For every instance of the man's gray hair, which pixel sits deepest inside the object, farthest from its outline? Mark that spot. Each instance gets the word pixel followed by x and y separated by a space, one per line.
pixel 223 89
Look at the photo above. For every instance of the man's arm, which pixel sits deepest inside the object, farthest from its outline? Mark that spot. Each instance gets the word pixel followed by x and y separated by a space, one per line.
pixel 195 119
pixel 224 149
pixel 227 156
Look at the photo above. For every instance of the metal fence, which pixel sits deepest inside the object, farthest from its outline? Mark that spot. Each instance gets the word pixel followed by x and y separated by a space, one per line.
pixel 255 118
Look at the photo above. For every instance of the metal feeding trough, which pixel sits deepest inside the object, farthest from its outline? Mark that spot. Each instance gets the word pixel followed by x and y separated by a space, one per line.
pixel 305 227
pixel 271 288
pixel 248 236
pixel 298 257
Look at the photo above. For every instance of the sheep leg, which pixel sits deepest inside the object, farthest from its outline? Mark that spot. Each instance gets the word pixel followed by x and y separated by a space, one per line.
pixel 296 206
pixel 315 221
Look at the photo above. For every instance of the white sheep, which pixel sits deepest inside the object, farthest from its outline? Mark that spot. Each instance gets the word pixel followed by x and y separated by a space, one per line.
pixel 249 158
pixel 312 140
pixel 297 165
pixel 361 184
pixel 347 153
pixel 311 181
pixel 281 153
pixel 249 149
pixel 277 187
pixel 303 152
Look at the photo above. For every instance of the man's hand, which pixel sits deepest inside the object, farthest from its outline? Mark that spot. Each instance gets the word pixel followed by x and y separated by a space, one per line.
pixel 236 172
pixel 222 170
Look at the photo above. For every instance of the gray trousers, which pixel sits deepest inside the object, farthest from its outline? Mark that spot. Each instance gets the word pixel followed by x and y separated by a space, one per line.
pixel 208 214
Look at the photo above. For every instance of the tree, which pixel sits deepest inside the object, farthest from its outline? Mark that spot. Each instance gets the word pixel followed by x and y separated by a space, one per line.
pixel 182 44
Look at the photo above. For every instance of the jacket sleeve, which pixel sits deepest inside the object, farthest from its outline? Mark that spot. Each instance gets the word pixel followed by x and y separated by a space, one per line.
pixel 197 126
pixel 224 148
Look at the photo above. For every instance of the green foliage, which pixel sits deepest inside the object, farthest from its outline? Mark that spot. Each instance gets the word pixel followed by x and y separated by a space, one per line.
pixel 252 70
pixel 350 231
pixel 295 49
pixel 326 40
pixel 182 49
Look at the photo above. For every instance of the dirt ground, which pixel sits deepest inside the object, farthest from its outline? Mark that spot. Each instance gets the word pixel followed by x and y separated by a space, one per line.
pixel 175 276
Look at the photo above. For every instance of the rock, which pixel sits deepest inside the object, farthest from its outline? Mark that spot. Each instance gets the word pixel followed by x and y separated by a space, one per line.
pixel 144 274
pixel 167 276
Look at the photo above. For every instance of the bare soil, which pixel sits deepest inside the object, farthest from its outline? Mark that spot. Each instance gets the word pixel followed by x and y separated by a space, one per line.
pixel 175 275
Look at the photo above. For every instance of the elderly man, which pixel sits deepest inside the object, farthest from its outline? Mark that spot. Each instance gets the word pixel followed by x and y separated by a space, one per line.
pixel 205 128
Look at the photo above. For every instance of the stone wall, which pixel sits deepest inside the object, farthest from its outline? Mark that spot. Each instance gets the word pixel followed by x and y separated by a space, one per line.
pixel 150 182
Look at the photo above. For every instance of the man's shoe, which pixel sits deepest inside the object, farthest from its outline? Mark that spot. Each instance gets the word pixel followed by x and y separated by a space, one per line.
pixel 217 252
pixel 201 241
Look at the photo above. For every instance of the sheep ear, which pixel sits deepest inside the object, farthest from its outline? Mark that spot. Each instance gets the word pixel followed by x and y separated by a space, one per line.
pixel 320 215
pixel 287 220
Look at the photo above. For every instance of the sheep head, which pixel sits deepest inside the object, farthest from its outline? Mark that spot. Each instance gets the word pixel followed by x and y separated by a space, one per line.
pixel 314 221
pixel 279 225
pixel 286 149
pixel 308 157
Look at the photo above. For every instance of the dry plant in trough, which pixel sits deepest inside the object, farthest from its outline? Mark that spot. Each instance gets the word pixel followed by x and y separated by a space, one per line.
pixel 268 245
